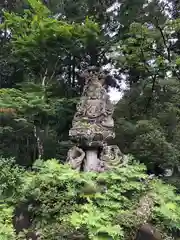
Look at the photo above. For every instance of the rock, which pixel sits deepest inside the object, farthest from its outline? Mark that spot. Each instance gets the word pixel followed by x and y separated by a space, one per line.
pixel 148 232
pixel 22 220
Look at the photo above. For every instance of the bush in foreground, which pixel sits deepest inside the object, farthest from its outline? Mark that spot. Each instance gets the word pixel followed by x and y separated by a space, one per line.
pixel 66 204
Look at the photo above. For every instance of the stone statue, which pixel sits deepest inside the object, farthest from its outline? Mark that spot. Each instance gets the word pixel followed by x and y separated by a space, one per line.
pixel 92 127
pixel 93 122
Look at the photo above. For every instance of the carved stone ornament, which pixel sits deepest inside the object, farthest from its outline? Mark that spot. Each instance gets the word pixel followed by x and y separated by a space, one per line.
pixel 112 157
pixel 93 122
pixel 75 157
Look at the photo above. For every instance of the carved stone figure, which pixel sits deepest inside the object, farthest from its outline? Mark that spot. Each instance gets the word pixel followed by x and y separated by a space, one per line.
pixel 76 157
pixel 92 128
pixel 93 122
pixel 112 157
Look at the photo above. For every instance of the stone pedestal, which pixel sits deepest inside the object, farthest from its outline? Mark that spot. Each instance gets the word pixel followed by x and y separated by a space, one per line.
pixel 91 161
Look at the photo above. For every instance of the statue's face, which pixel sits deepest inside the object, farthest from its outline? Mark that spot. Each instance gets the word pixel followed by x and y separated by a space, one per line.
pixel 94 92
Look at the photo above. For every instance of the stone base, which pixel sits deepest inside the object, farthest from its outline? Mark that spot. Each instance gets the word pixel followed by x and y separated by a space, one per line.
pixel 91 161
pixel 96 159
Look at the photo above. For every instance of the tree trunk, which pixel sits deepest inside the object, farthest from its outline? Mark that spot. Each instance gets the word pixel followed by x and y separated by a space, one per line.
pixel 39 142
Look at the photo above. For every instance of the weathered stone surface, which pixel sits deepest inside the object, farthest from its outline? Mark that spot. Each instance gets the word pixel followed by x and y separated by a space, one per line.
pixel 76 157
pixel 92 128
pixel 22 222
pixel 90 135
pixel 93 123
pixel 148 232
pixel 92 161
pixel 112 157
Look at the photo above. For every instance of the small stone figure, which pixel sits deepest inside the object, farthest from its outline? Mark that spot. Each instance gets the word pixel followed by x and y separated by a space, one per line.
pixel 76 157
pixel 112 157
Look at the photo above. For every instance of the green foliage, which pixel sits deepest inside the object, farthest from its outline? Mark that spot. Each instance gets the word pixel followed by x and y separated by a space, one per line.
pixel 6 228
pixel 11 180
pixel 67 204
pixel 21 111
pixel 147 117
pixel 35 32
pixel 166 211
pixel 48 52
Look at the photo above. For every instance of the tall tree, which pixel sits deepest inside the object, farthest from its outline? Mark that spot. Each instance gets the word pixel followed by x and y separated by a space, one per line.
pixel 148 114
pixel 51 62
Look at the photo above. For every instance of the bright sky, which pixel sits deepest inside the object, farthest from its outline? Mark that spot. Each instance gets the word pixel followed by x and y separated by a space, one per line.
pixel 115 95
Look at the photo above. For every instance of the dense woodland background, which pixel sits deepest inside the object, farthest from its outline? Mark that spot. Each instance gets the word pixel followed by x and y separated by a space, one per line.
pixel 43 49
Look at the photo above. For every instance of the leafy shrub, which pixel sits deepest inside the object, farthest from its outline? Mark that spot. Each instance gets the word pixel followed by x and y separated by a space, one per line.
pixel 67 204
pixel 6 228
pixel 11 179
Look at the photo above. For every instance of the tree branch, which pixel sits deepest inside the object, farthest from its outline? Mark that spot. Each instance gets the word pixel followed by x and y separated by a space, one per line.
pixel 164 39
